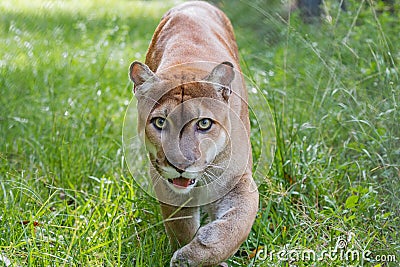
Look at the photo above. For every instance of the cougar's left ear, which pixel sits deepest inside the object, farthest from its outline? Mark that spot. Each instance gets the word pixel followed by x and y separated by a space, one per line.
pixel 222 76
pixel 140 73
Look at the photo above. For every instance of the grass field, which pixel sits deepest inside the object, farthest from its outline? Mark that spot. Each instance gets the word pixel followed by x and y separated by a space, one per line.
pixel 68 199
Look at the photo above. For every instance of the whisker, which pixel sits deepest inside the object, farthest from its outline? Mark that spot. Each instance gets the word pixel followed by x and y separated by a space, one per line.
pixel 217 177
pixel 156 178
pixel 207 177
pixel 212 177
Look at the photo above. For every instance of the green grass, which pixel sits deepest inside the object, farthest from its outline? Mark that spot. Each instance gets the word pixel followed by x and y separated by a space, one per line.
pixel 67 198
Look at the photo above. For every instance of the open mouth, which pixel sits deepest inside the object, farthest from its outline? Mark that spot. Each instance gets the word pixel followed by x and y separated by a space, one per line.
pixel 182 182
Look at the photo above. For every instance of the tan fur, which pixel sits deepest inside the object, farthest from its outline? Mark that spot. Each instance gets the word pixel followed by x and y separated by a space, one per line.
pixel 169 86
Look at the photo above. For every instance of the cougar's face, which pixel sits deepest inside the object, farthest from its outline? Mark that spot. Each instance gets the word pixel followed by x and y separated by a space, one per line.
pixel 185 132
pixel 185 121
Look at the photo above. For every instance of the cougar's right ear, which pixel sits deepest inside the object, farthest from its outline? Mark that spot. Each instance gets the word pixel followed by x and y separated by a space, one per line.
pixel 140 73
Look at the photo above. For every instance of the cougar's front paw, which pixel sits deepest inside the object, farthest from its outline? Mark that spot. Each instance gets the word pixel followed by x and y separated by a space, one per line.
pixel 178 260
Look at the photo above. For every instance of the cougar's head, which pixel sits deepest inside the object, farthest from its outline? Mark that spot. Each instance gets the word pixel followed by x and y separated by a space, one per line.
pixel 184 121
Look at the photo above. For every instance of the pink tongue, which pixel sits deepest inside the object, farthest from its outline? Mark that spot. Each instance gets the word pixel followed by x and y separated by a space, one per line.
pixel 184 182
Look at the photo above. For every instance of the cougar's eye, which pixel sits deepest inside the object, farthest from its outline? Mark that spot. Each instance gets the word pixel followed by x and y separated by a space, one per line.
pixel 158 122
pixel 204 124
